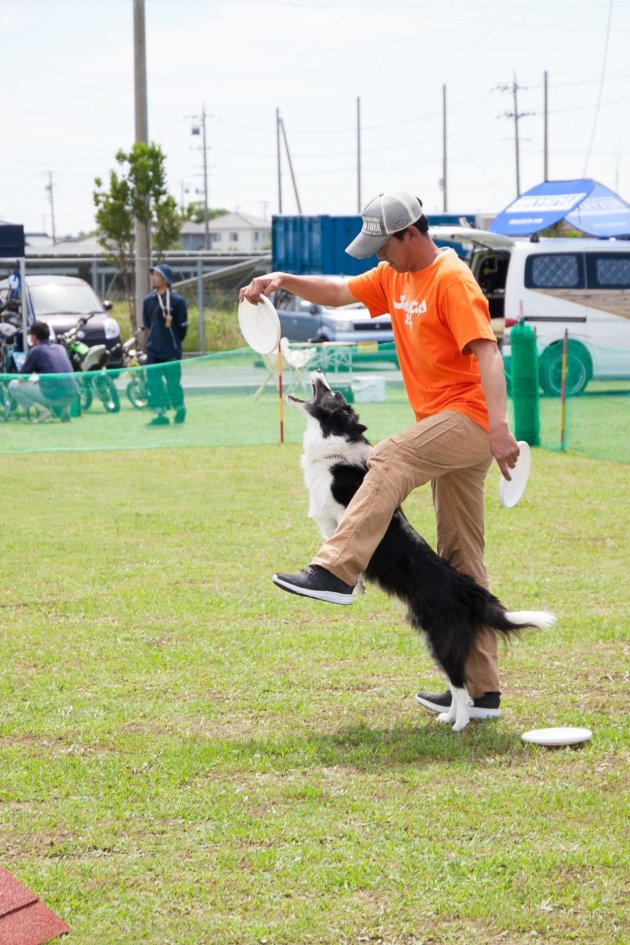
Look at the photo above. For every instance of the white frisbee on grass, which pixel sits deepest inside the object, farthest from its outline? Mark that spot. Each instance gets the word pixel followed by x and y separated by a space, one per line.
pixel 557 737
pixel 511 491
pixel 260 325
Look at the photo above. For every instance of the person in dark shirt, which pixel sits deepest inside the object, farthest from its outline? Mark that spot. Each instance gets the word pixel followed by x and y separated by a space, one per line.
pixel 165 322
pixel 37 388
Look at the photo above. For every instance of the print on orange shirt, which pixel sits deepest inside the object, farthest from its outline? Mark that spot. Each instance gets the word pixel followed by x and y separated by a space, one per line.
pixel 435 314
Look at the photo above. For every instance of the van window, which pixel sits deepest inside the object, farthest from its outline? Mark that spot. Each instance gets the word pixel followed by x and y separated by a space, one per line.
pixel 554 271
pixel 608 270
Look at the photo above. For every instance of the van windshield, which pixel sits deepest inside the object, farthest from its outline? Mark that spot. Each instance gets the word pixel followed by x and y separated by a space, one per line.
pixel 54 299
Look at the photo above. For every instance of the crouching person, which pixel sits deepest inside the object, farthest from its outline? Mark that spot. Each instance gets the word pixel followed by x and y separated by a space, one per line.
pixel 37 388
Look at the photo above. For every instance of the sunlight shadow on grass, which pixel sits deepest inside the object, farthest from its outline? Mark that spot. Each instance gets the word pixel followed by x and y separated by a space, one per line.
pixel 365 748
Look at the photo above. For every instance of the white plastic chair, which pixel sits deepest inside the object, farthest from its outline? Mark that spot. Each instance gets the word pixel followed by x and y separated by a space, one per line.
pixel 296 359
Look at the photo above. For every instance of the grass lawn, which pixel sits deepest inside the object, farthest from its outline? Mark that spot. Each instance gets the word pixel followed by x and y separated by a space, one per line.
pixel 189 756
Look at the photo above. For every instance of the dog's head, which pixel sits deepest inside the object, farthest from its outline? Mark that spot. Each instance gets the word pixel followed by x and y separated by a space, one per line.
pixel 330 410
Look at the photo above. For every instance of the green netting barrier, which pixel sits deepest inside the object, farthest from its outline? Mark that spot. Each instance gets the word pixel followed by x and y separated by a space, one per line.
pixel 595 416
pixel 231 399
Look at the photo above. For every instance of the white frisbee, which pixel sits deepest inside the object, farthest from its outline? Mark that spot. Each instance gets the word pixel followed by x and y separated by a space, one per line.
pixel 511 491
pixel 556 737
pixel 260 325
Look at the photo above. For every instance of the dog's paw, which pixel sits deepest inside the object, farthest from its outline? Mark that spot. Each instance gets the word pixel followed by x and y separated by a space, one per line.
pixel 445 717
pixel 461 725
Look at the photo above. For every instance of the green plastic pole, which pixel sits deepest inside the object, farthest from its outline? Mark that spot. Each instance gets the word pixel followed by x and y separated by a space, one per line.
pixel 524 370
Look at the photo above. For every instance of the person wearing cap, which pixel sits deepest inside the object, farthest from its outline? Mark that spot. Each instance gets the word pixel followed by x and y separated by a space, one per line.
pixel 454 379
pixel 165 322
pixel 37 388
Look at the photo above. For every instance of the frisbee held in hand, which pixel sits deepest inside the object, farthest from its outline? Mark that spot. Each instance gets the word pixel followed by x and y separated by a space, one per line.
pixel 260 325
pixel 510 492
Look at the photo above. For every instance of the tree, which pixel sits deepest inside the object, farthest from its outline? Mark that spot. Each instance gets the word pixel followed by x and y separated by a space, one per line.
pixel 137 192
pixel 196 213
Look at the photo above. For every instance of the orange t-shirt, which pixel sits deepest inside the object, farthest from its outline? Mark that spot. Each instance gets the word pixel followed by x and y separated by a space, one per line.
pixel 435 313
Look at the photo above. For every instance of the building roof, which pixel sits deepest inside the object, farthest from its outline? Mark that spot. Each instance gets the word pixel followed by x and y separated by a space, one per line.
pixel 228 221
pixel 82 246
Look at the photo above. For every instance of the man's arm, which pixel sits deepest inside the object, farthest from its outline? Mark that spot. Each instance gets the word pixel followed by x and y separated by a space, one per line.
pixel 503 446
pixel 143 334
pixel 181 318
pixel 30 362
pixel 317 289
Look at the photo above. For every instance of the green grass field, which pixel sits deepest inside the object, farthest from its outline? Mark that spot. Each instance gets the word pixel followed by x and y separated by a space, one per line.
pixel 223 412
pixel 189 756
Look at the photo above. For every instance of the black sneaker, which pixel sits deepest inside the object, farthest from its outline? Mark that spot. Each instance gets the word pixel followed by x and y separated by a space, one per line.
pixel 160 421
pixel 484 707
pixel 316 582
pixel 180 415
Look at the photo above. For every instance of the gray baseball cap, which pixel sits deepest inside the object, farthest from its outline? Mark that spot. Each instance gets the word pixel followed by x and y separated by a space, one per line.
pixel 386 214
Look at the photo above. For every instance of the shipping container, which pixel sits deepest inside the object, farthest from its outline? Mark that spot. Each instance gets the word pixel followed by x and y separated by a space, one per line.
pixel 316 245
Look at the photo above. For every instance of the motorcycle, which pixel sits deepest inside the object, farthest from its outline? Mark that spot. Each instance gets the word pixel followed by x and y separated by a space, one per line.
pixel 92 361
pixel 10 337
pixel 134 360
pixel 8 334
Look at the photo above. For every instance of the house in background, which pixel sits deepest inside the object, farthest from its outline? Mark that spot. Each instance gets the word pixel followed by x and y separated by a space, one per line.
pixel 232 232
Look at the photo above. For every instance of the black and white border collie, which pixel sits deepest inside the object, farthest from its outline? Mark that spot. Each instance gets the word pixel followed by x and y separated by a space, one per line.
pixel 450 608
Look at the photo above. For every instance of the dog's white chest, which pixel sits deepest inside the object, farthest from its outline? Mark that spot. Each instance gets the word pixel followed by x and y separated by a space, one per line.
pixel 318 459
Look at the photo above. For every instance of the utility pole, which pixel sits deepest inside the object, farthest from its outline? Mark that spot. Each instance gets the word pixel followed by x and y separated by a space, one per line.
pixel 279 159
pixel 290 163
pixel 516 115
pixel 201 129
pixel 359 201
pixel 49 188
pixel 444 178
pixel 142 247
pixel 546 132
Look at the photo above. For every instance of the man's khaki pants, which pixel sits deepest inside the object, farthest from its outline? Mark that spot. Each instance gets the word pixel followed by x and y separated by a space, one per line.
pixel 453 453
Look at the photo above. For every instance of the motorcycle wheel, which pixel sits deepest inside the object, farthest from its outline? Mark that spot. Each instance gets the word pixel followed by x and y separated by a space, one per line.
pixel 107 393
pixel 6 402
pixel 85 394
pixel 137 393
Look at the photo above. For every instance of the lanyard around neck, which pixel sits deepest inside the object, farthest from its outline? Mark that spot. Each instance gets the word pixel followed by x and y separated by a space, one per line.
pixel 165 310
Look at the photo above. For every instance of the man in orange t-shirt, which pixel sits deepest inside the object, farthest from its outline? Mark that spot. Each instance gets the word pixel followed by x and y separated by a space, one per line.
pixel 453 375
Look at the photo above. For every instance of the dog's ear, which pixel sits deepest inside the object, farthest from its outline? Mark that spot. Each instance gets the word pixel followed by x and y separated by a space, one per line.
pixel 361 428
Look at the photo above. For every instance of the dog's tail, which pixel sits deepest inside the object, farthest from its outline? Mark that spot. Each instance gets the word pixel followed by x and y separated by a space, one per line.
pixel 514 620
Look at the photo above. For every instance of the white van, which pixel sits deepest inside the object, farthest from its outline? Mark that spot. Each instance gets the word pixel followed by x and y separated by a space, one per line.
pixel 579 284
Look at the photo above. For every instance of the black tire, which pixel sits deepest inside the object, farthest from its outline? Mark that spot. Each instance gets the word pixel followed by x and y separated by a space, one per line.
pixel 85 393
pixel 137 393
pixel 106 391
pixel 6 402
pixel 579 369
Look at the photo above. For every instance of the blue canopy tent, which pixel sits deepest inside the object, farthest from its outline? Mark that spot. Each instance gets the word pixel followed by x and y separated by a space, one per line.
pixel 12 247
pixel 584 204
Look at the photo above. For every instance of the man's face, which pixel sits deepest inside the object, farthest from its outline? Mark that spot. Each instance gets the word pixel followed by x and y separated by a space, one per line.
pixel 158 281
pixel 395 252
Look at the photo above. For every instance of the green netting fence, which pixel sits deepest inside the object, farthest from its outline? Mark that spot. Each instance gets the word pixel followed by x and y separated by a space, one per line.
pixel 232 399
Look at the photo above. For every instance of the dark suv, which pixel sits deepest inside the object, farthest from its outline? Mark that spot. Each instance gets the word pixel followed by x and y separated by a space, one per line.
pixel 305 321
pixel 61 300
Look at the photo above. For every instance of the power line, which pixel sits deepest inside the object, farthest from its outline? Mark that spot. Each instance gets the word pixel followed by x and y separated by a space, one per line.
pixel 601 88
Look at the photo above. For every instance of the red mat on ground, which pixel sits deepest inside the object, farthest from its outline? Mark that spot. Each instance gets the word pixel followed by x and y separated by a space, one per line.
pixel 24 920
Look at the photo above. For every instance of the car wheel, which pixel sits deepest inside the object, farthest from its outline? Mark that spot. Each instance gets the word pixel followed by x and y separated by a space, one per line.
pixel 579 369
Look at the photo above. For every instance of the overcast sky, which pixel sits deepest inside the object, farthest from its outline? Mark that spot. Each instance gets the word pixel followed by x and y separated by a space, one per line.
pixel 68 105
